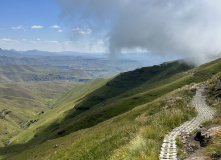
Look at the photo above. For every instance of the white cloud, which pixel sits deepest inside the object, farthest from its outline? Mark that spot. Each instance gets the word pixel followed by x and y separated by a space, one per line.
pixel 33 42
pixel 101 42
pixel 36 27
pixel 55 26
pixel 52 42
pixel 162 27
pixel 38 39
pixel 80 31
pixel 68 42
pixel 60 30
pixel 17 28
pixel 8 40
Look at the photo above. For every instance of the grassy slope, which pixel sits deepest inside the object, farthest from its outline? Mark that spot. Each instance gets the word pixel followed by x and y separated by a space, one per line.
pixel 75 119
pixel 19 102
pixel 48 119
pixel 148 87
pixel 136 134
pixel 214 100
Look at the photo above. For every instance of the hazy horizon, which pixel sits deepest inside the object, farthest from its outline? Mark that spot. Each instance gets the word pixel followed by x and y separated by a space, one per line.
pixel 161 28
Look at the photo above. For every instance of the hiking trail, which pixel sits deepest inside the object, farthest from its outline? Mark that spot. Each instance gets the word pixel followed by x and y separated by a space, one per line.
pixel 169 148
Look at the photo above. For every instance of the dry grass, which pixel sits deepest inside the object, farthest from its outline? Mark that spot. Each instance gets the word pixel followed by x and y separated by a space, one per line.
pixel 214 149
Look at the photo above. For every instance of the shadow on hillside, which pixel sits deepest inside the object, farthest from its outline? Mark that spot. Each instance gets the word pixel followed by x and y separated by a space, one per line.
pixel 38 138
pixel 130 80
pixel 101 100
pixel 94 108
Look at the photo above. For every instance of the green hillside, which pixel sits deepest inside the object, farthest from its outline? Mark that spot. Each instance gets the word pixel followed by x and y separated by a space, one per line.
pixel 125 117
pixel 20 102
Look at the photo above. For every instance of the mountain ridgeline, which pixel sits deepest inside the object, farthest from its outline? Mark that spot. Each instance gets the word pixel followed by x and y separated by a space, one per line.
pixel 131 80
pixel 125 116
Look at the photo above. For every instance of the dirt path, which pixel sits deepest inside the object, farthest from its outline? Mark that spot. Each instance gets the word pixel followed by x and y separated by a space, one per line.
pixel 169 148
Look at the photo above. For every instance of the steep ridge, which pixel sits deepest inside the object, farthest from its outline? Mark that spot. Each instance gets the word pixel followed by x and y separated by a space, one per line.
pixel 48 120
pixel 131 80
pixel 205 113
pixel 119 95
pixel 131 134
pixel 79 116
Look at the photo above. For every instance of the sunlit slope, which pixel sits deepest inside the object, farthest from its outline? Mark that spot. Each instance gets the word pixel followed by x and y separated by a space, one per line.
pixel 132 80
pixel 208 69
pixel 136 134
pixel 65 118
pixel 47 122
pixel 20 102
pixel 111 99
pixel 125 92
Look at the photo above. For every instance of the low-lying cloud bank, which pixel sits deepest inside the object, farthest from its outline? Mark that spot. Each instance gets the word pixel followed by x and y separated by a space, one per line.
pixel 187 28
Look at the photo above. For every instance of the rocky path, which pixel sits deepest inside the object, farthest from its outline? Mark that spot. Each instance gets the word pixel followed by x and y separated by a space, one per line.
pixel 169 148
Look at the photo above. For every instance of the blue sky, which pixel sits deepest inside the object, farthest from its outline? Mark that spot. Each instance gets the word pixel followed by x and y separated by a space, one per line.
pixel 36 24
pixel 163 27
